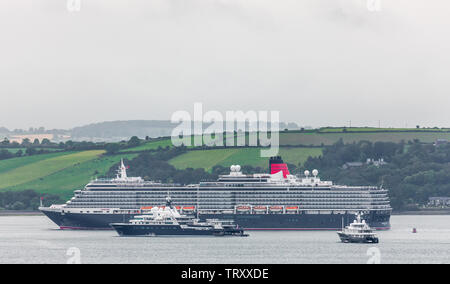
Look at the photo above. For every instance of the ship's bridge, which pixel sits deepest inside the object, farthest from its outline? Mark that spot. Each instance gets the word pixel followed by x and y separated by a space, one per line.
pixel 237 176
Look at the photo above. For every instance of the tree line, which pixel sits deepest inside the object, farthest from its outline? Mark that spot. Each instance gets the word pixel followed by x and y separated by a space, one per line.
pixel 413 173
pixel 26 200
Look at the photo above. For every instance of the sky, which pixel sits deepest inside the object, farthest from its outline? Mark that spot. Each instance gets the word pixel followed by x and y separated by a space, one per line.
pixel 318 62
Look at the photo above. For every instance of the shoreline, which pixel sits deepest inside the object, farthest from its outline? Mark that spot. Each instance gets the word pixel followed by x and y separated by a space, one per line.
pixel 423 212
pixel 20 213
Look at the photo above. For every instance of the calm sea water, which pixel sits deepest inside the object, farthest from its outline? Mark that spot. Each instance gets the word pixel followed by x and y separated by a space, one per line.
pixel 35 239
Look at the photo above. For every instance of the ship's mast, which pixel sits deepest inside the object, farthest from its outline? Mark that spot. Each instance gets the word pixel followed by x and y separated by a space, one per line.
pixel 122 171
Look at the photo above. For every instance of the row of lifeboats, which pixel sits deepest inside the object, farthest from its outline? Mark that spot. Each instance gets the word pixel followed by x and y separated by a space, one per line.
pixel 179 208
pixel 240 208
pixel 262 208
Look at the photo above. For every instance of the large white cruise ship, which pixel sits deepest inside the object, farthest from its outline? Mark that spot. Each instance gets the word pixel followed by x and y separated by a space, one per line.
pixel 268 201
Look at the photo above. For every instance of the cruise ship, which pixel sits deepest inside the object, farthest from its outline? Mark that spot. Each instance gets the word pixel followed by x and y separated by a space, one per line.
pixel 276 200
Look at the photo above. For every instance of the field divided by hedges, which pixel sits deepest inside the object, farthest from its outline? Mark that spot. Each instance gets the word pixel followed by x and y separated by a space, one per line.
pixel 207 159
pixel 329 137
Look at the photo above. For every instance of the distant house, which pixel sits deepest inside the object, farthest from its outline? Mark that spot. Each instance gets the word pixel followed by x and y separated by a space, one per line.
pixel 440 142
pixel 31 137
pixel 439 201
pixel 352 165
pixel 376 163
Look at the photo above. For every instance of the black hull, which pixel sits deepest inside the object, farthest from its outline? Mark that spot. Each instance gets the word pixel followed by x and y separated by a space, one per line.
pixel 332 222
pixel 150 230
pixel 349 239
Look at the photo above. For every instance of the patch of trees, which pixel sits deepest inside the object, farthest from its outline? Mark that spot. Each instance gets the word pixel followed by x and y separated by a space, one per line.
pixel 414 172
pixel 339 153
pixel 34 148
pixel 26 200
pixel 114 148
pixel 80 146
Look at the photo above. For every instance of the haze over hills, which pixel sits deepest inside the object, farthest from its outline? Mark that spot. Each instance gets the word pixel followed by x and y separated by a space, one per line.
pixel 110 131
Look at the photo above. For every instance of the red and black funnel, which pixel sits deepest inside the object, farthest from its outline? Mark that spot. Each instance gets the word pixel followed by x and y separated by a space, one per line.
pixel 276 165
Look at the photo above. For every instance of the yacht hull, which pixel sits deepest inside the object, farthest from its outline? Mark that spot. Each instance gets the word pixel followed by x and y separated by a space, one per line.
pixel 357 239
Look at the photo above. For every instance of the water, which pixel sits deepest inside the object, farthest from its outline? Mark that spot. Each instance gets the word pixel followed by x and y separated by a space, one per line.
pixel 35 239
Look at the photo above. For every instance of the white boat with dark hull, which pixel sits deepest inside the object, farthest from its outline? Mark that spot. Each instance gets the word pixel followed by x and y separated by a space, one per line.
pixel 358 232
pixel 270 201
pixel 166 221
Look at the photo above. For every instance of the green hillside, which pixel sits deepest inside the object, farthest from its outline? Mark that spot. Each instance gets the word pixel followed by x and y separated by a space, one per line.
pixel 44 167
pixel 152 145
pixel 65 181
pixel 376 129
pixel 11 164
pixel 317 139
pixel 329 136
pixel 62 172
pixel 57 173
pixel 207 159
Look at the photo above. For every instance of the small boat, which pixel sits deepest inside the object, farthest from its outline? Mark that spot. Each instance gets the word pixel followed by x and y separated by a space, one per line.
pixel 358 232
pixel 188 208
pixel 291 208
pixel 276 208
pixel 166 221
pixel 243 208
pixel 260 208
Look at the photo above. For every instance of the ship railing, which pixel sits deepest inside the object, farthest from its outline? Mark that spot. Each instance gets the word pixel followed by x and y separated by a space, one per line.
pixel 299 211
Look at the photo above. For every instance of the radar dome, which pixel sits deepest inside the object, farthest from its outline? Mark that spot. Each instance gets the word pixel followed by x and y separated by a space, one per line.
pixel 306 173
pixel 315 172
pixel 238 168
pixel 233 168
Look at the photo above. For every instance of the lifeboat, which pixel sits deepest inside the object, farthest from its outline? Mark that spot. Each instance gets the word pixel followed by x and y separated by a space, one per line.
pixel 178 207
pixel 276 208
pixel 147 208
pixel 243 208
pixel 260 208
pixel 188 208
pixel 291 208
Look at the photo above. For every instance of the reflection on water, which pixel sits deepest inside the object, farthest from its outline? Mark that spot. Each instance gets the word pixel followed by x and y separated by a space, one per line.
pixel 34 239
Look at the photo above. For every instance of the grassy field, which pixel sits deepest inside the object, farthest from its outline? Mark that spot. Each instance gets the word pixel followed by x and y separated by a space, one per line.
pixel 11 164
pixel 152 145
pixel 317 139
pixel 207 159
pixel 43 167
pixel 375 129
pixel 65 181
pixel 328 136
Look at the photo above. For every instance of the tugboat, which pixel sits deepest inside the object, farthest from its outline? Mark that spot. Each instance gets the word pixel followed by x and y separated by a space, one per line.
pixel 358 232
pixel 166 221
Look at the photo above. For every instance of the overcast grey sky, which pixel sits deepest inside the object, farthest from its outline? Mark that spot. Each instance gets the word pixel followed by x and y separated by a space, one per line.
pixel 319 62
